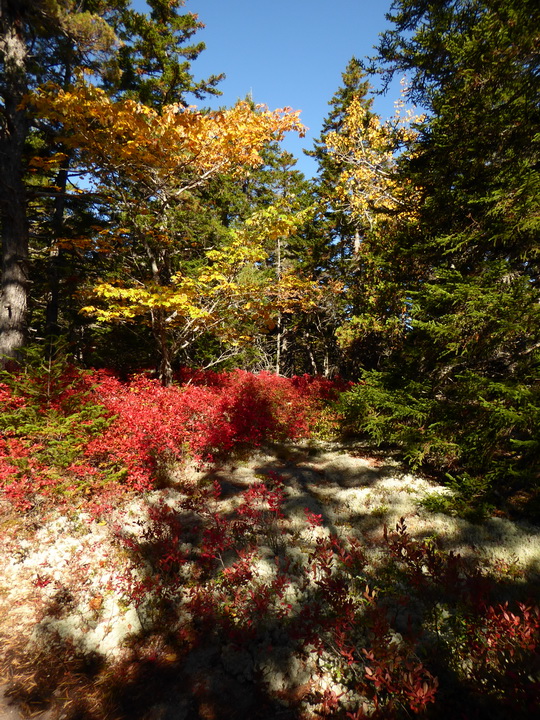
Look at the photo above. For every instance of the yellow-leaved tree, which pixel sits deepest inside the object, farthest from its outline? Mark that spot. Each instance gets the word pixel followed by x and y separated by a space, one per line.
pixel 146 165
pixel 379 200
pixel 370 185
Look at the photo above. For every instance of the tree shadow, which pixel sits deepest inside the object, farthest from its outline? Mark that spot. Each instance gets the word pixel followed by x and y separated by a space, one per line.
pixel 192 661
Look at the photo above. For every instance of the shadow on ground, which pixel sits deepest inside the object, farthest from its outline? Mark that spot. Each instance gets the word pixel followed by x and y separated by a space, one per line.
pixel 176 668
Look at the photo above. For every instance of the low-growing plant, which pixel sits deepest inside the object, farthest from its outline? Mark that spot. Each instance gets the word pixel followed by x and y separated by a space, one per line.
pixel 468 498
pixel 67 433
pixel 400 626
pixel 380 511
pixel 47 420
pixel 479 432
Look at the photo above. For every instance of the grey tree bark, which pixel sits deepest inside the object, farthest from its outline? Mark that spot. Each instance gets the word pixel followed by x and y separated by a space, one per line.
pixel 13 217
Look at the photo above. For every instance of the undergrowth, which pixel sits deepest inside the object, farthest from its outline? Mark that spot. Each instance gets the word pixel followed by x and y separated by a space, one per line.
pixel 69 434
pixel 388 627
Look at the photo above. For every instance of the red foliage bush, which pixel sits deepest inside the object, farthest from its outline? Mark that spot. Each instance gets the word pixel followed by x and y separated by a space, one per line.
pixel 147 426
pixel 208 416
pixel 94 435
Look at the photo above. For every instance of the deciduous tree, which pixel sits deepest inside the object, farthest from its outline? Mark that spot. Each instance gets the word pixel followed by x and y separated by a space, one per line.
pixel 147 162
pixel 145 56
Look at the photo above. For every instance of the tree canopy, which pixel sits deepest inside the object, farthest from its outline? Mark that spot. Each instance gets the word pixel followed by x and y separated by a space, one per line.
pixel 176 235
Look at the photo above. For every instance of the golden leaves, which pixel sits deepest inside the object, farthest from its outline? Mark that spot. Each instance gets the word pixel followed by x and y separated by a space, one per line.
pixel 132 139
pixel 215 296
pixel 46 164
pixel 140 154
pixel 369 184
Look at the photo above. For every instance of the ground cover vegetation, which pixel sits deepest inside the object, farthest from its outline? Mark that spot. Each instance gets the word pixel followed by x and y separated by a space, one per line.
pixel 142 236
pixel 168 569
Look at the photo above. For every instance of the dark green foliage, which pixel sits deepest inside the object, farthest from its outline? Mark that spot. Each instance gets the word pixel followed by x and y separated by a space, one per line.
pixel 145 57
pixel 355 86
pixel 338 233
pixel 333 239
pixel 278 183
pixel 463 391
pixel 156 55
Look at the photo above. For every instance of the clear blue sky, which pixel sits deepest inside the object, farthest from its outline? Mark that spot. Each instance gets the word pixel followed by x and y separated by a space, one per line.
pixel 287 53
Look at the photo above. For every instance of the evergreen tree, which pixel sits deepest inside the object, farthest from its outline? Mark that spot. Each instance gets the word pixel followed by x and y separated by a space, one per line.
pixel 156 54
pixel 340 231
pixel 463 392
pixel 42 41
pixel 344 233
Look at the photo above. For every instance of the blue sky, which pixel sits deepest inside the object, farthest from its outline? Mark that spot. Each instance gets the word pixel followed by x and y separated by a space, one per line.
pixel 287 53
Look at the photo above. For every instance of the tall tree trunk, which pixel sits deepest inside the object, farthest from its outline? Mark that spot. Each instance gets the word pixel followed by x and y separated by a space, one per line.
pixel 56 260
pixel 165 371
pixel 161 276
pixel 13 132
pixel 279 318
pixel 14 287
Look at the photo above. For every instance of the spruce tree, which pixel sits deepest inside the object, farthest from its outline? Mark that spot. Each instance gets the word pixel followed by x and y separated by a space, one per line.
pixel 39 42
pixel 156 54
pixel 463 392
pixel 333 236
pixel 339 230
pixel 353 321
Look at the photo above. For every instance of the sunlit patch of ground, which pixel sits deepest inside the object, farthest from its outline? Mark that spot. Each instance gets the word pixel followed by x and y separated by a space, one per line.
pixel 65 578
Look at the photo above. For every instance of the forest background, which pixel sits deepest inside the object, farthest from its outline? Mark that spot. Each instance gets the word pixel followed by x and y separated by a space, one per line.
pixel 139 232
pixel 177 300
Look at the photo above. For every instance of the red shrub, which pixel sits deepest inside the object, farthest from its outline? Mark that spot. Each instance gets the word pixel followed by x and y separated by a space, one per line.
pixel 208 416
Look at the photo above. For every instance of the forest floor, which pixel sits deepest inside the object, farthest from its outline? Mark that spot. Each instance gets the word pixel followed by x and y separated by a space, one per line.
pixel 65 583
